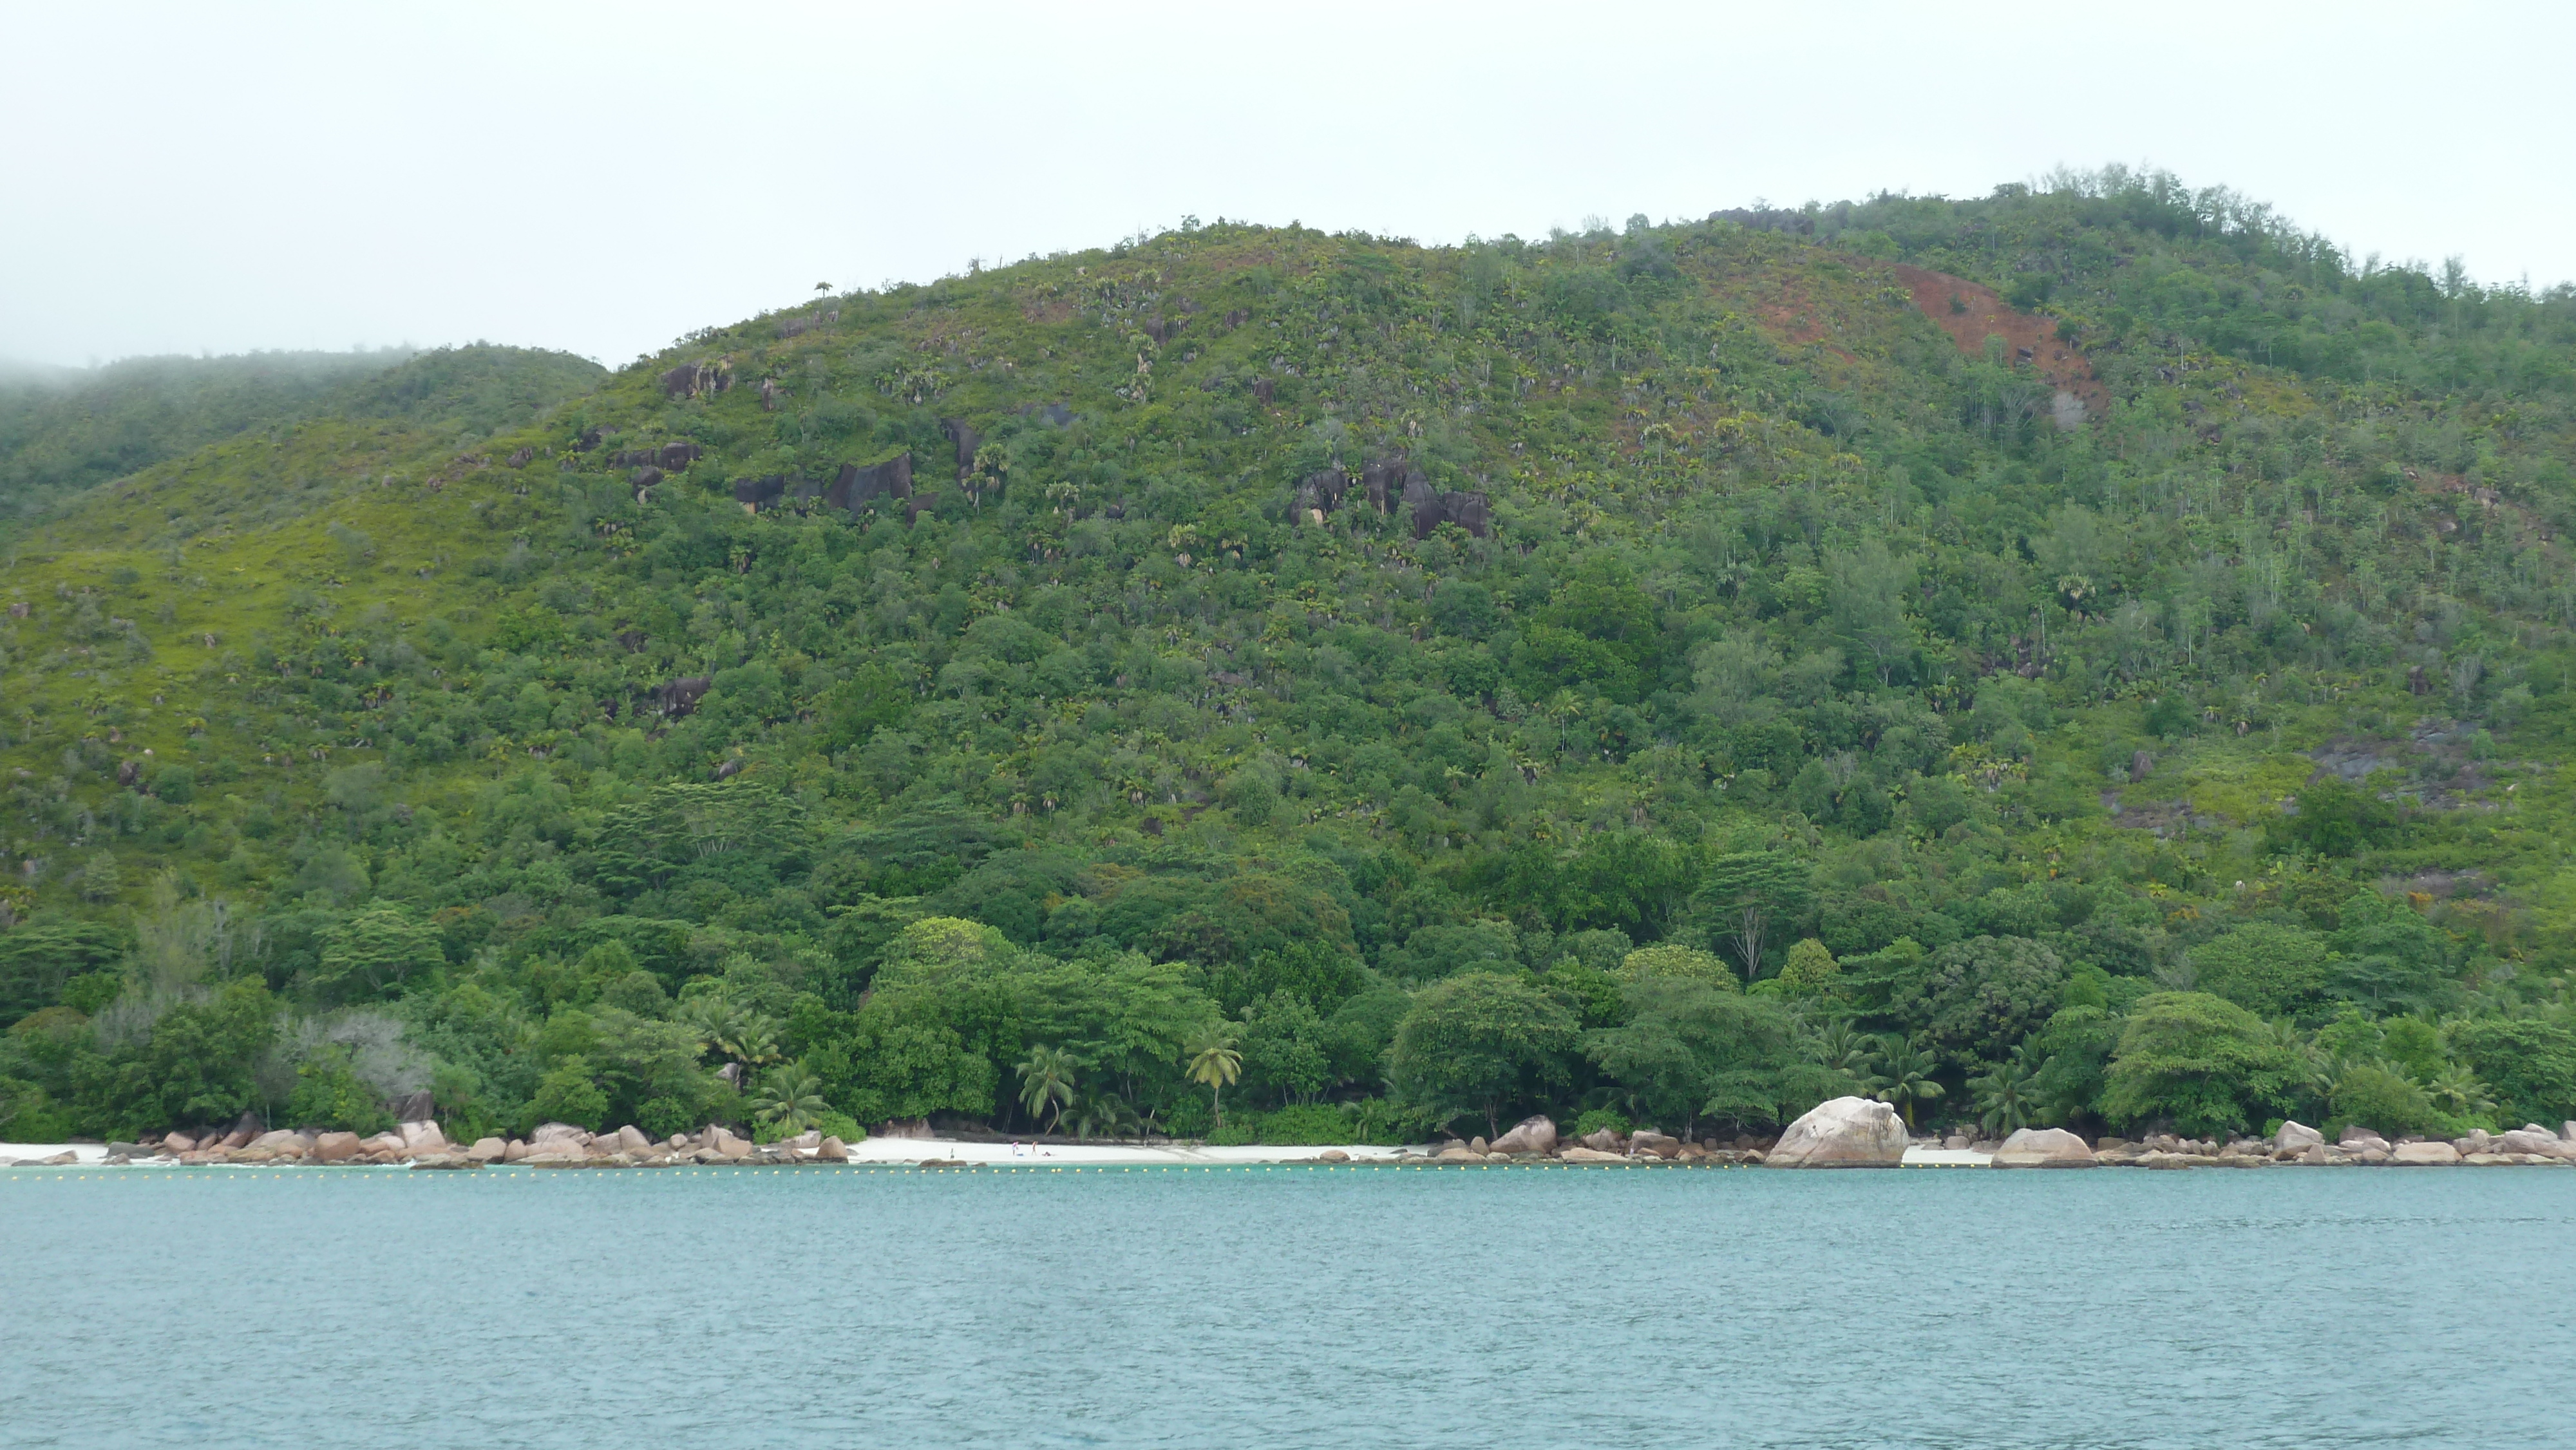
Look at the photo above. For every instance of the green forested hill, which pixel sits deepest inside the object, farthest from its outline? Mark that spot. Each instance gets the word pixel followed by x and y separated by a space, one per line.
pixel 2091 655
pixel 62 432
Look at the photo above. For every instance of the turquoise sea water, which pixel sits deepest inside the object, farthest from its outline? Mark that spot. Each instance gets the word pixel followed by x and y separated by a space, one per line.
pixel 1253 1307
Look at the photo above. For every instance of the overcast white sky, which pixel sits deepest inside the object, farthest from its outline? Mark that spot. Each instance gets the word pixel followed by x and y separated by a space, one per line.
pixel 603 178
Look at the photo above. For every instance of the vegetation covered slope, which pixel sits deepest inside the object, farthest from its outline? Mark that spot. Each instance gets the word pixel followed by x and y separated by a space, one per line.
pixel 62 432
pixel 1775 684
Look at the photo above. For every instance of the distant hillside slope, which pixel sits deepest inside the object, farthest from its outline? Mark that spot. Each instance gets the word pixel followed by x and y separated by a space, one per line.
pixel 67 431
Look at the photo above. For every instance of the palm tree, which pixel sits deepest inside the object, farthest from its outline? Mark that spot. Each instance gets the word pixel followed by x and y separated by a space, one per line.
pixel 754 1042
pixel 791 1101
pixel 2301 1049
pixel 1047 1077
pixel 1105 1114
pixel 705 1016
pixel 1214 1063
pixel 748 1039
pixel 1844 1048
pixel 2003 1095
pixel 990 462
pixel 1904 1077
pixel 2456 1090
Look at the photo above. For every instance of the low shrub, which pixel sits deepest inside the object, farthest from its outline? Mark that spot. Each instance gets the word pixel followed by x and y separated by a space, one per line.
pixel 1594 1120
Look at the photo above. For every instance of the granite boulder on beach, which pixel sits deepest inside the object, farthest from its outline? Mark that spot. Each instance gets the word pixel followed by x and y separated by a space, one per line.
pixel 1843 1133
pixel 2043 1148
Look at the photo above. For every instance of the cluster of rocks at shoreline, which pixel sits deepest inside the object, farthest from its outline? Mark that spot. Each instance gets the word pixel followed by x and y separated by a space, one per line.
pixel 2530 1145
pixel 1859 1133
pixel 1862 1133
pixel 560 1145
pixel 425 1145
pixel 1535 1139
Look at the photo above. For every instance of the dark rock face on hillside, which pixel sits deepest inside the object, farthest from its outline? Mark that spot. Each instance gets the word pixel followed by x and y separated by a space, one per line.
pixel 1430 509
pixel 670 457
pixel 679 697
pixel 967 441
pixel 690 380
pixel 1386 480
pixel 1422 502
pixel 856 487
pixel 1470 511
pixel 1322 492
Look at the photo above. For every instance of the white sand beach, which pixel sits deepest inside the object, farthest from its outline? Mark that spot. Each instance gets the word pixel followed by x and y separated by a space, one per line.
pixel 922 1150
pixel 22 1154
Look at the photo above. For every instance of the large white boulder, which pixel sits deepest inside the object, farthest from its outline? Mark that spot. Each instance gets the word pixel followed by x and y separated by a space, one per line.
pixel 1535 1134
pixel 422 1137
pixel 1843 1133
pixel 2297 1138
pixel 2424 1154
pixel 2043 1148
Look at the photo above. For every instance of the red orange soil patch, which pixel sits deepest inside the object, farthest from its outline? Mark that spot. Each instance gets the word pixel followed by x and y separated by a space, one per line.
pixel 1793 318
pixel 2027 338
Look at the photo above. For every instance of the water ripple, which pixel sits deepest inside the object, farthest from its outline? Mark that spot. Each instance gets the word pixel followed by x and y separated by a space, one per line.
pixel 1284 1308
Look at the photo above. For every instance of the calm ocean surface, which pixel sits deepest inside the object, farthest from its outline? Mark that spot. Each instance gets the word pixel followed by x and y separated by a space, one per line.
pixel 1247 1308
